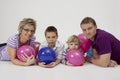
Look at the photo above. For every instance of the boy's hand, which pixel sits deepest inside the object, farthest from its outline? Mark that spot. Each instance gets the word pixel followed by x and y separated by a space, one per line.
pixel 42 64
pixel 51 65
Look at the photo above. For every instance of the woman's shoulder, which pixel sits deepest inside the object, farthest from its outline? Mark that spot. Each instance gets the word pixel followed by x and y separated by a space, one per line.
pixel 13 40
pixel 14 37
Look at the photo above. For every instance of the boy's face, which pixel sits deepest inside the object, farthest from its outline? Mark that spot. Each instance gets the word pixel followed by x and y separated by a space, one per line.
pixel 73 45
pixel 51 38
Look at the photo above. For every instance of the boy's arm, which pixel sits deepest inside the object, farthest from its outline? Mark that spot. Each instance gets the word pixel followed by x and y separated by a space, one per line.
pixel 58 61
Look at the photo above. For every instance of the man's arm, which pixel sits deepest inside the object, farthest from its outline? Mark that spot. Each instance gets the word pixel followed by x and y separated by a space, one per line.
pixel 100 60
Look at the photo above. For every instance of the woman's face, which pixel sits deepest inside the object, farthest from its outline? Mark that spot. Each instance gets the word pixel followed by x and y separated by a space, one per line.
pixel 27 32
pixel 51 38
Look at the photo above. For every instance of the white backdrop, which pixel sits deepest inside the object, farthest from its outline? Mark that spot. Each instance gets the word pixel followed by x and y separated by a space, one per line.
pixel 65 15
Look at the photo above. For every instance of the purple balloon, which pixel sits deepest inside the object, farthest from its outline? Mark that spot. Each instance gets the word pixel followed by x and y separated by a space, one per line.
pixel 85 43
pixel 75 57
pixel 26 49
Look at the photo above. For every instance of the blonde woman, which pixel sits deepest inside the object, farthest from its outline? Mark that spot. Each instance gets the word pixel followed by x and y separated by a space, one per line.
pixel 26 29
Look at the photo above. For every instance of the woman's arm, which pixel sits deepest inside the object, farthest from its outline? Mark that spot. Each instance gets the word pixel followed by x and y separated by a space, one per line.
pixel 14 60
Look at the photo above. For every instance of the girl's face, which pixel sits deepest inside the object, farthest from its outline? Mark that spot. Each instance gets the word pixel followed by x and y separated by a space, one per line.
pixel 51 38
pixel 89 30
pixel 27 32
pixel 73 45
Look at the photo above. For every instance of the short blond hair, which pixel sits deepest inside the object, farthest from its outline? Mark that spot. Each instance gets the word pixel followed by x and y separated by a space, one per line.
pixel 26 21
pixel 73 38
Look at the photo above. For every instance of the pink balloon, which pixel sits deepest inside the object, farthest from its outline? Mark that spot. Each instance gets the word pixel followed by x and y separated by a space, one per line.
pixel 75 57
pixel 36 46
pixel 85 42
pixel 26 49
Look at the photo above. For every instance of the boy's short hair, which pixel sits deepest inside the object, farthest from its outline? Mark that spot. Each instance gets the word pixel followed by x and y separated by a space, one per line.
pixel 73 38
pixel 51 29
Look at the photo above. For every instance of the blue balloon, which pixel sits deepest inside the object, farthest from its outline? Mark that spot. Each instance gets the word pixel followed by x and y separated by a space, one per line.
pixel 90 52
pixel 46 55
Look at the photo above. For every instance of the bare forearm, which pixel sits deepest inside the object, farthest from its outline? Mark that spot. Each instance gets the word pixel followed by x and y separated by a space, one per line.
pixel 99 62
pixel 58 61
pixel 18 62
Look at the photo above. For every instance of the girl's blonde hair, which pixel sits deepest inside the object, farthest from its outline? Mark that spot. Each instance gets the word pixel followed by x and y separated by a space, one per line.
pixel 73 38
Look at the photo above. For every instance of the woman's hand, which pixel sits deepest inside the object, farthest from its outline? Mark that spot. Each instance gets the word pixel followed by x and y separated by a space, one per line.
pixel 30 60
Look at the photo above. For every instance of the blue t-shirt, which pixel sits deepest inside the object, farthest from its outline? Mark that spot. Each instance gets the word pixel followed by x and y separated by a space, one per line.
pixel 105 42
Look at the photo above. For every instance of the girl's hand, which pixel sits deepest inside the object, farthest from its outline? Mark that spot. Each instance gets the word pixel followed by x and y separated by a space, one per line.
pixel 69 63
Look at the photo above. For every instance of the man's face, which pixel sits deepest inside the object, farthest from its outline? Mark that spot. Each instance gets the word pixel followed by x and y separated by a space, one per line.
pixel 89 30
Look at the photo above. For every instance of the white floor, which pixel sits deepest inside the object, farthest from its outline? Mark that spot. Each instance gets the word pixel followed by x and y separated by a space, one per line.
pixel 9 71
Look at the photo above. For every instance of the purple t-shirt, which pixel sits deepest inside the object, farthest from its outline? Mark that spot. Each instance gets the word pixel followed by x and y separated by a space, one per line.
pixel 13 42
pixel 105 42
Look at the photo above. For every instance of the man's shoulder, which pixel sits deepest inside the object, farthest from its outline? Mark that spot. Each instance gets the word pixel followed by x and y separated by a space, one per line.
pixel 103 34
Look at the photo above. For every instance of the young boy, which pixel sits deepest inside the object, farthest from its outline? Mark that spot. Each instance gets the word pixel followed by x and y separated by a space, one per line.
pixel 51 36
pixel 73 43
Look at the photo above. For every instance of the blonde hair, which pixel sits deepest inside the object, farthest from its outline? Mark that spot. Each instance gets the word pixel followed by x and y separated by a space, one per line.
pixel 73 38
pixel 26 21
